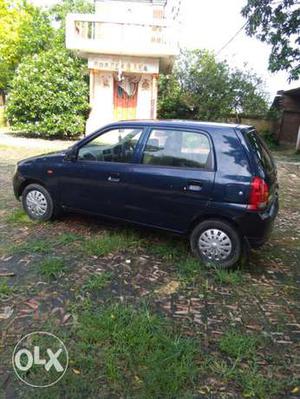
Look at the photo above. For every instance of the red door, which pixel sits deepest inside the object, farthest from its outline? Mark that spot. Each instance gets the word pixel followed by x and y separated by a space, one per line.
pixel 125 98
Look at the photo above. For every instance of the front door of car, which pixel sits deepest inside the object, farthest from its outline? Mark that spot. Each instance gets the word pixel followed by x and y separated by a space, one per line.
pixel 97 181
pixel 173 182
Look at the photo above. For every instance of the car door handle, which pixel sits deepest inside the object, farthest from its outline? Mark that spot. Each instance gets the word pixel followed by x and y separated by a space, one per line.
pixel 194 186
pixel 114 178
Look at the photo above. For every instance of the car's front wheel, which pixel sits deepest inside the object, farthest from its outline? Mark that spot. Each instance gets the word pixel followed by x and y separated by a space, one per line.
pixel 37 202
pixel 216 243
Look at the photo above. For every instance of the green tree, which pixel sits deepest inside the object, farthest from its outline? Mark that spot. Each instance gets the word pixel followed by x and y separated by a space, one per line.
pixel 248 93
pixel 24 30
pixel 49 95
pixel 171 104
pixel 200 87
pixel 60 10
pixel 205 84
pixel 278 24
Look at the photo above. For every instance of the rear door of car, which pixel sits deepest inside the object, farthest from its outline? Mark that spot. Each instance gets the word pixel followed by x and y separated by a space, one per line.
pixel 172 182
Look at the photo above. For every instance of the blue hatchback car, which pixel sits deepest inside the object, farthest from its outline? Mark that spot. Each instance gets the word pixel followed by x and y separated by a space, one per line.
pixel 216 183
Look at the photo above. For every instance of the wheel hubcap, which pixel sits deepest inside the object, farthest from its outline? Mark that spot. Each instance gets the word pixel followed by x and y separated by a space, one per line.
pixel 215 245
pixel 36 203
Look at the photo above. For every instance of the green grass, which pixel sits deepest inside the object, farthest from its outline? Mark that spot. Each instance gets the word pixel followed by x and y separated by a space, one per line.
pixel 188 269
pixel 140 354
pixel 110 242
pixel 97 282
pixel 228 277
pixel 248 377
pixel 52 268
pixel 242 367
pixel 44 245
pixel 221 368
pixel 33 246
pixel 5 289
pixel 237 345
pixel 18 216
pixel 67 238
pixel 169 250
pixel 119 351
pixel 255 385
pixel 7 147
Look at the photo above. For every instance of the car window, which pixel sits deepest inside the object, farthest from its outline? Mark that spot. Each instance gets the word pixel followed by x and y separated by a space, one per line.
pixel 177 148
pixel 261 151
pixel 116 145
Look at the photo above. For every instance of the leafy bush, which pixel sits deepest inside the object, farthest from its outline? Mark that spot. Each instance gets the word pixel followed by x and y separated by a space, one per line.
pixel 49 96
pixel 270 139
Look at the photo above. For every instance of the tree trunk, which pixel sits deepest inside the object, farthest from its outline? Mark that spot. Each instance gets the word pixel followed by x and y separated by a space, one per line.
pixel 2 93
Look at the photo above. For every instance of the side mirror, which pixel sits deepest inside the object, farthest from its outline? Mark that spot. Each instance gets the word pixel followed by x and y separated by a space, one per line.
pixel 71 154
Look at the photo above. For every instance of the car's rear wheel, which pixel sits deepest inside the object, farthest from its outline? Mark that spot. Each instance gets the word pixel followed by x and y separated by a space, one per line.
pixel 37 202
pixel 216 243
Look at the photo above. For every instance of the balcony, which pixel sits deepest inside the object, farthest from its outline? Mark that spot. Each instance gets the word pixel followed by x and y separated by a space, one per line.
pixel 91 34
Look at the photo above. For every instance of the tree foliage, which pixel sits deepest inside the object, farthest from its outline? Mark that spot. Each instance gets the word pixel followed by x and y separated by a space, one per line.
pixel 278 24
pixel 49 96
pixel 48 85
pixel 200 87
pixel 24 30
pixel 248 93
pixel 60 10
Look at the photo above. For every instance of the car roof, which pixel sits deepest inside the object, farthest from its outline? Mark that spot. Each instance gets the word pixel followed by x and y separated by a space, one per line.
pixel 181 123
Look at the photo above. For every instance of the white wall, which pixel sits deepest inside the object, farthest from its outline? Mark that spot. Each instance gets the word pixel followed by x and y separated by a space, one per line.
pixel 101 100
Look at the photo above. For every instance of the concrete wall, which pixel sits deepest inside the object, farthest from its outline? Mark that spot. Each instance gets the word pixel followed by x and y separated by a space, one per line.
pixel 147 97
pixel 290 124
pixel 101 100
pixel 261 124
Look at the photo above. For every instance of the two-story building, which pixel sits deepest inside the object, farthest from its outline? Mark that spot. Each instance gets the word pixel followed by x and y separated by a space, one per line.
pixel 127 44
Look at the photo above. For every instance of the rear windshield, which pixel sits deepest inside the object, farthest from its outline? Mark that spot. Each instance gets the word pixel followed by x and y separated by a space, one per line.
pixel 261 150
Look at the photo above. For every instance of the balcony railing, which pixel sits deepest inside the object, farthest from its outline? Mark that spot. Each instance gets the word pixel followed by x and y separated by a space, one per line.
pixel 90 34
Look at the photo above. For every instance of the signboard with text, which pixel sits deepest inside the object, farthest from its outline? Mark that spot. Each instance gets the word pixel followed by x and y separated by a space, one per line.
pixel 124 64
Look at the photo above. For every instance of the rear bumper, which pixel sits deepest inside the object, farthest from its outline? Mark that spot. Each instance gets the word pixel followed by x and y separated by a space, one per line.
pixel 257 226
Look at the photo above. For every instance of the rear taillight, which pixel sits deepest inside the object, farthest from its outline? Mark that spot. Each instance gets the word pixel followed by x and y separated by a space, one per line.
pixel 259 194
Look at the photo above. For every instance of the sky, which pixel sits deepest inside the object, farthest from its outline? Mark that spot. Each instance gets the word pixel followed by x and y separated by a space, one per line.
pixel 210 24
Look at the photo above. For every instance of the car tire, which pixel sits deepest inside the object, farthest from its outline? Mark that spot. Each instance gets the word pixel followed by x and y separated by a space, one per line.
pixel 38 203
pixel 216 243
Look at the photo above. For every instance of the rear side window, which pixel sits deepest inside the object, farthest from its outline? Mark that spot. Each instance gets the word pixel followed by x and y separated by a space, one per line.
pixel 178 149
pixel 261 151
